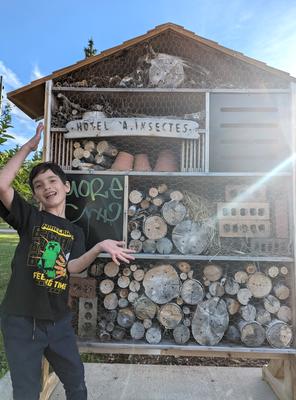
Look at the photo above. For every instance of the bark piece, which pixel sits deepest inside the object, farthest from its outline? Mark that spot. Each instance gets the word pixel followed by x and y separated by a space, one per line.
pixel 248 312
pixel 213 272
pixel 173 212
pixel 155 227
pixel 137 331
pixel 210 321
pixel 149 246
pixel 170 315
pixel 162 284
pixel 191 237
pixel 243 296
pixel 111 301
pixel 153 335
pixel 181 334
pixel 271 304
pixel 164 246
pixel 111 269
pixel 241 277
pixel 106 286
pixel 231 286
pixel 284 314
pixel 252 333
pixel 259 285
pixel 281 290
pixel 145 308
pixel 279 334
pixel 125 317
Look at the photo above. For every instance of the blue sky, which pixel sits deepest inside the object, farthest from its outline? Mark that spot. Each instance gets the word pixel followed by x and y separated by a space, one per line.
pixel 38 37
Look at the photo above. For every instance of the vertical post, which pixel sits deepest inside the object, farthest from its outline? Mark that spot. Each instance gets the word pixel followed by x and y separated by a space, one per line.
pixel 47 121
pixel 125 210
pixel 207 135
pixel 293 152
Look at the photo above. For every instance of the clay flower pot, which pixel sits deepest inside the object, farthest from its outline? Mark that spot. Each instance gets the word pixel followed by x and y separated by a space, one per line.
pixel 166 161
pixel 123 162
pixel 142 162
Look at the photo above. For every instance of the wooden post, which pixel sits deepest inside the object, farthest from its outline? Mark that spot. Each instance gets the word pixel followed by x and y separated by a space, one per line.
pixel 47 121
pixel 280 375
pixel 49 381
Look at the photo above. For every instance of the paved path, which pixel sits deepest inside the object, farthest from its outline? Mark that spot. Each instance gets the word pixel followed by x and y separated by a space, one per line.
pixel 161 382
pixel 7 231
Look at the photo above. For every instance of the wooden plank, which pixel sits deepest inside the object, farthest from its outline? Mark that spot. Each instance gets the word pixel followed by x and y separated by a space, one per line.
pixel 49 381
pixel 87 346
pixel 154 127
pixel 47 121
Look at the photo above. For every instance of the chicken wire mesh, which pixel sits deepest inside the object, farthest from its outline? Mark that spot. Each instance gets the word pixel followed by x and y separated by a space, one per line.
pixel 207 192
pixel 208 67
pixel 116 321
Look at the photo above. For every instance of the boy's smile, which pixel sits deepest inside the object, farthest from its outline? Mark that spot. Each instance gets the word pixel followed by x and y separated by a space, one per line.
pixel 50 191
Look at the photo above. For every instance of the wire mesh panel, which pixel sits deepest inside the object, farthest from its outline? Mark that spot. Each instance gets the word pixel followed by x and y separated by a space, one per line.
pixel 203 199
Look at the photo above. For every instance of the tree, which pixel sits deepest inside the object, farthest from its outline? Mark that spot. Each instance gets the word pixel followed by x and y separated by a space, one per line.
pixel 20 182
pixel 90 50
pixel 5 123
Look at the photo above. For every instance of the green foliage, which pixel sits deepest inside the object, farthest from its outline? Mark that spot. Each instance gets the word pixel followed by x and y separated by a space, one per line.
pixel 90 50
pixel 20 182
pixel 8 244
pixel 5 123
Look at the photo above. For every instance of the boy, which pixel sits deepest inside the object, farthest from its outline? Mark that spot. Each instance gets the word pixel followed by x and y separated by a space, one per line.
pixel 35 318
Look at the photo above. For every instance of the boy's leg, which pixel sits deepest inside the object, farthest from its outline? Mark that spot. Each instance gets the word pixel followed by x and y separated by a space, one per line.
pixel 62 353
pixel 24 345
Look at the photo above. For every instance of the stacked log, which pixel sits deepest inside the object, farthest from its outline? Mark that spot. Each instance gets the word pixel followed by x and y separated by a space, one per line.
pixel 207 303
pixel 90 155
pixel 160 220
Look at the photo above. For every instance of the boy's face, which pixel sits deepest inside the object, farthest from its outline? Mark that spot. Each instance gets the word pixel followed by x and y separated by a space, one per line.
pixel 50 190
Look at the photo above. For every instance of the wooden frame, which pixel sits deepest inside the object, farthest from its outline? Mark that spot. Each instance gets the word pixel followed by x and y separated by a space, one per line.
pixel 280 372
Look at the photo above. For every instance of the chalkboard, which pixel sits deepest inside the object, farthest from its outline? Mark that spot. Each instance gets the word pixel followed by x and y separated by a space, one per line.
pixel 95 203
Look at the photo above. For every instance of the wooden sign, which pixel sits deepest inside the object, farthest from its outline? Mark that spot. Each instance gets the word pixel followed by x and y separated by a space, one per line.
pixel 96 204
pixel 104 127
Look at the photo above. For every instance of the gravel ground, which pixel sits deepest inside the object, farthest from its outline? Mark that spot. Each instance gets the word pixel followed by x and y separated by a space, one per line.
pixel 172 360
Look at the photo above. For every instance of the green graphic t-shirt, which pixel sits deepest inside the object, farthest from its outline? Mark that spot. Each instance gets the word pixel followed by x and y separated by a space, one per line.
pixel 39 282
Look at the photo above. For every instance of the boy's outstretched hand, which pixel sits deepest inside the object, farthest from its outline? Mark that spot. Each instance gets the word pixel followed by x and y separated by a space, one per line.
pixel 34 141
pixel 117 251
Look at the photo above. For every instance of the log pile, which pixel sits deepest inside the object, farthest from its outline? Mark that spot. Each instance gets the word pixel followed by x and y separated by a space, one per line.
pixel 207 303
pixel 160 220
pixel 91 155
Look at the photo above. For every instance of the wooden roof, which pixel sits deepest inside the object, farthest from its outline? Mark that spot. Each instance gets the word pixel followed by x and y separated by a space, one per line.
pixel 30 98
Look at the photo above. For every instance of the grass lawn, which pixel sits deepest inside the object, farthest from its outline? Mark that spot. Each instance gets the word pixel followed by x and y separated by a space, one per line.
pixel 4 225
pixel 8 243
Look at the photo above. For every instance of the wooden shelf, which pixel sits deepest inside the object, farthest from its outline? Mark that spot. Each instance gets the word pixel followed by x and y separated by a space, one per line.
pixel 191 349
pixel 163 90
pixel 147 256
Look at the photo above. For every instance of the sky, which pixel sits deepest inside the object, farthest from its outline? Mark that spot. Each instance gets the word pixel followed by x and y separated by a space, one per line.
pixel 38 37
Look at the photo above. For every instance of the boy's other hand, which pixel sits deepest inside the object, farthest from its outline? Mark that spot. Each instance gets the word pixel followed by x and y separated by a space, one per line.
pixel 117 251
pixel 32 144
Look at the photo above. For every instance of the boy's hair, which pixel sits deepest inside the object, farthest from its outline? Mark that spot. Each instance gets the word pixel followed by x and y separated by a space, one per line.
pixel 43 167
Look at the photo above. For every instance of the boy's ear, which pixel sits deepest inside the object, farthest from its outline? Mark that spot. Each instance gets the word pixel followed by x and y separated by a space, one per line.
pixel 68 186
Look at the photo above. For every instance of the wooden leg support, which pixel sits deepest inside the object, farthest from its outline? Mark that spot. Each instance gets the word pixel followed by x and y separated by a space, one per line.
pixel 49 380
pixel 281 376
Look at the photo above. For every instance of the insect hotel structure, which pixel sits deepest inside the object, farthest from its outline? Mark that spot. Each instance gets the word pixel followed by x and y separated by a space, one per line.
pixel 183 149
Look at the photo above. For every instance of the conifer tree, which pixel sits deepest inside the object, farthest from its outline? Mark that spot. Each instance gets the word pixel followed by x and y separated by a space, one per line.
pixel 90 50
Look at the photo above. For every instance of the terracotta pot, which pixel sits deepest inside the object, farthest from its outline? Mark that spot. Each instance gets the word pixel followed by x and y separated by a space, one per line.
pixel 142 162
pixel 166 161
pixel 123 162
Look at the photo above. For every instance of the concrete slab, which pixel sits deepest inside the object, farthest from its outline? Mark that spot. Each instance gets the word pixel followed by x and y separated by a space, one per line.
pixel 161 382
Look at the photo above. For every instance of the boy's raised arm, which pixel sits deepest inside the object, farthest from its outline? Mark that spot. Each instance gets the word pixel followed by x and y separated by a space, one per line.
pixel 9 171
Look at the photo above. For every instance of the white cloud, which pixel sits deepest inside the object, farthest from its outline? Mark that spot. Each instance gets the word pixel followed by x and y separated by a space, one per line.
pixel 10 79
pixel 36 73
pixel 18 138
